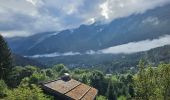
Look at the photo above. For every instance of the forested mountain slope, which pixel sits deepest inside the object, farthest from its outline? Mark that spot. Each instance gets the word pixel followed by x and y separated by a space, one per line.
pixel 149 25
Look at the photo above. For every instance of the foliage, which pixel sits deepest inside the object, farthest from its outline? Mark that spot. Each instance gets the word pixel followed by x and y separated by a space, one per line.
pixel 163 80
pixel 26 93
pixel 153 83
pixel 18 73
pixel 49 73
pixel 122 98
pixel 100 97
pixel 5 60
pixel 97 80
pixel 147 84
pixel 3 89
pixel 35 78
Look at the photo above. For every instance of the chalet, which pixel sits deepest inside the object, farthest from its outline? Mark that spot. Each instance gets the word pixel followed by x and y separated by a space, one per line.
pixel 67 88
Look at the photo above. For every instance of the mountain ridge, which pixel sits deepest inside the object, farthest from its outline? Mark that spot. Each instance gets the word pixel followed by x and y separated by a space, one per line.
pixel 149 25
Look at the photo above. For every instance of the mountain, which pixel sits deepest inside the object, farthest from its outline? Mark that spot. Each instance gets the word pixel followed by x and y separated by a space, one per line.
pixel 149 25
pixel 18 44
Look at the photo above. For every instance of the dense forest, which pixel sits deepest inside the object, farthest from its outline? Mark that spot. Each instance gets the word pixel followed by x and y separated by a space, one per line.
pixel 107 63
pixel 23 82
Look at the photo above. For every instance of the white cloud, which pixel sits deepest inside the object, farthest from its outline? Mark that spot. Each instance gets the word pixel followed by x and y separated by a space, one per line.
pixel 90 52
pixel 139 46
pixel 70 53
pixel 33 2
pixel 112 9
pixel 105 10
pixel 55 54
pixel 151 20
pixel 91 21
pixel 34 16
pixel 10 34
pixel 23 18
pixel 18 6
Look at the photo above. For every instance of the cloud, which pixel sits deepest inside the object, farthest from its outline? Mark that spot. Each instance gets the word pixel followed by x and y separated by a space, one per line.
pixel 33 16
pixel 33 2
pixel 13 33
pixel 55 54
pixel 139 46
pixel 90 52
pixel 151 20
pixel 23 18
pixel 112 9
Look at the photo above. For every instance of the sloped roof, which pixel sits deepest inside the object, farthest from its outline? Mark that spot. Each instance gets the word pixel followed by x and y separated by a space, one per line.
pixel 72 89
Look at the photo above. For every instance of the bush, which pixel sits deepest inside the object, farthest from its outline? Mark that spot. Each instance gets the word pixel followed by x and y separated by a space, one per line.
pixel 26 93
pixel 100 97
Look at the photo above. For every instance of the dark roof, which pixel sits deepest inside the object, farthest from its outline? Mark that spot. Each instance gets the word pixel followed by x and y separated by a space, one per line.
pixel 71 89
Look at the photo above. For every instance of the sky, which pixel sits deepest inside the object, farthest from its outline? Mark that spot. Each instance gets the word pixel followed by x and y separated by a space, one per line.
pixel 28 17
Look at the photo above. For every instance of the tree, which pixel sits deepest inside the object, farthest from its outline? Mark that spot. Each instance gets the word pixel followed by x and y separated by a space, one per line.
pixel 131 91
pixel 110 92
pixel 163 80
pixel 142 82
pixel 85 79
pixel 26 93
pixel 5 60
pixel 49 73
pixel 97 81
pixel 18 73
pixel 3 89
pixel 100 97
pixel 57 68
pixel 122 98
pixel 35 78
pixel 153 83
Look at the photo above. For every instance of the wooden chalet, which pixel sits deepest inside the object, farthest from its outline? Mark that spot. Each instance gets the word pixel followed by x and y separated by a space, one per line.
pixel 67 88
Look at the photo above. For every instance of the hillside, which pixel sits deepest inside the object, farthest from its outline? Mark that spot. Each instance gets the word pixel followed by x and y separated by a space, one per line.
pixel 111 62
pixel 22 61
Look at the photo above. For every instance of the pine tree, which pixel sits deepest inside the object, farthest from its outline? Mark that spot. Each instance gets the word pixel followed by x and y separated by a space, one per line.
pixel 5 60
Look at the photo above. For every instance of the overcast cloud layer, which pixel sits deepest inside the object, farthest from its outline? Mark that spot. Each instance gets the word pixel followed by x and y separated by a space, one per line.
pixel 27 17
pixel 129 48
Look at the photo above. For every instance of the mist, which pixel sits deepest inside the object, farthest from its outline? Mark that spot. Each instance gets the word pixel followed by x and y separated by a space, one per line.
pixel 139 46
